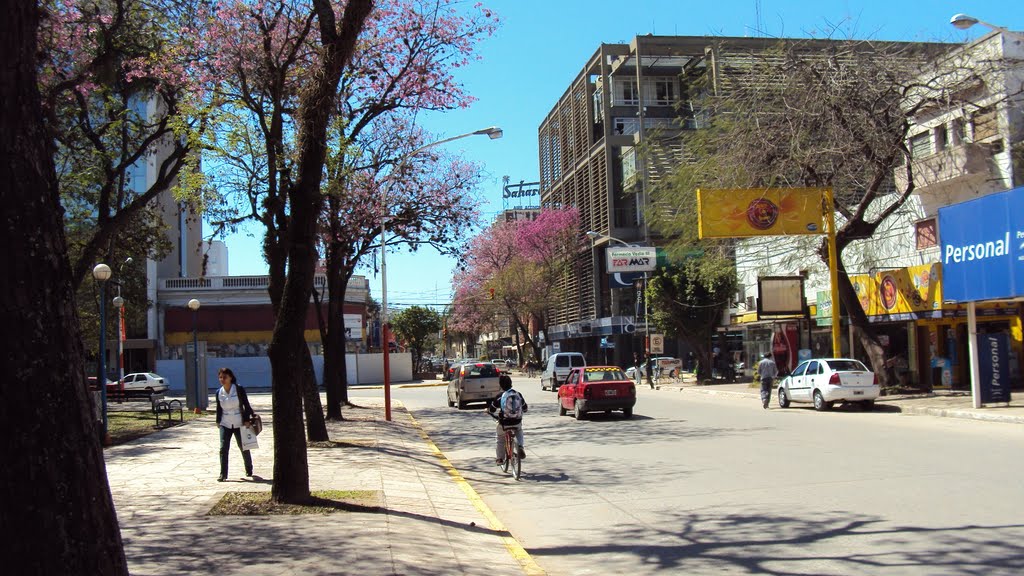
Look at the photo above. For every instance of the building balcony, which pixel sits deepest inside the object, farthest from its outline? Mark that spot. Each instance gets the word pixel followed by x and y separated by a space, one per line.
pixel 949 166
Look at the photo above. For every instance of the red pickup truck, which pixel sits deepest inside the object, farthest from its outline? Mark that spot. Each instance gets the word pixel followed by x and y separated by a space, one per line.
pixel 596 389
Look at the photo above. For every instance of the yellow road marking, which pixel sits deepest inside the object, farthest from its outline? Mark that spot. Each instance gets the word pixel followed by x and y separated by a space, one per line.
pixel 513 546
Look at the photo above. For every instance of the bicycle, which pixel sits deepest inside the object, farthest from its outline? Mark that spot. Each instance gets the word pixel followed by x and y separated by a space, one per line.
pixel 512 459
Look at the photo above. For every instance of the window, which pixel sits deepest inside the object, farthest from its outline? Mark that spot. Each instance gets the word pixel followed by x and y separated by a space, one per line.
pixel 957 131
pixel 664 92
pixel 941 137
pixel 626 92
pixel 920 145
pixel 925 234
pixel 985 125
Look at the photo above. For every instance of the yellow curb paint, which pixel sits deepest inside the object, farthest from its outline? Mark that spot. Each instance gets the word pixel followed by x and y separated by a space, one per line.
pixel 517 551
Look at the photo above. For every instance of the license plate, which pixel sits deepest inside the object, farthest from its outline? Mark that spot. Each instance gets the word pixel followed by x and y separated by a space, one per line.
pixel 611 392
pixel 858 392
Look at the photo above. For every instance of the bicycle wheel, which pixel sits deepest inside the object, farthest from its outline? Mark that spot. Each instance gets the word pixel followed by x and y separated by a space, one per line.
pixel 509 441
pixel 517 465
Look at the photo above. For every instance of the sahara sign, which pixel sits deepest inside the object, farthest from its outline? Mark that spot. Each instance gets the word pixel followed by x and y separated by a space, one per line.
pixel 631 259
pixel 741 213
pixel 983 247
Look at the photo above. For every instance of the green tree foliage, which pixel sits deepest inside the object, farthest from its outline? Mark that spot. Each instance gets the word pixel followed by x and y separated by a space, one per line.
pixel 418 327
pixel 687 299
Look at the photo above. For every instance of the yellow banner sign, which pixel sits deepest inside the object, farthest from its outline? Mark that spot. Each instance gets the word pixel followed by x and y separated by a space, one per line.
pixel 901 291
pixel 741 213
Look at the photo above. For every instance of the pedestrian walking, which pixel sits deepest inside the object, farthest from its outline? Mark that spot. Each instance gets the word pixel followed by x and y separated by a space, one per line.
pixel 233 412
pixel 767 371
pixel 637 367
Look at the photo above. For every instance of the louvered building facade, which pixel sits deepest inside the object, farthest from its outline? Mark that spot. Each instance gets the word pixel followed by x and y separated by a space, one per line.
pixel 614 133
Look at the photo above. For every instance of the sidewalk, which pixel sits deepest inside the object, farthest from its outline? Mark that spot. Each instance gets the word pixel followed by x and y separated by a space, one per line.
pixel 430 521
pixel 941 403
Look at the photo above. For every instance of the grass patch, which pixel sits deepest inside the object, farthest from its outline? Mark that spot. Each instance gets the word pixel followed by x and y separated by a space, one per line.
pixel 321 502
pixel 131 424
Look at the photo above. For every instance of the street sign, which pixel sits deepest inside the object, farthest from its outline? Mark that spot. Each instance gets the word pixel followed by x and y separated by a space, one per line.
pixel 631 259
pixel 657 343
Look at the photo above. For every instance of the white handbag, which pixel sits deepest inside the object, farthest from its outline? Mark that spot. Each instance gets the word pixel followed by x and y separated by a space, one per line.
pixel 249 441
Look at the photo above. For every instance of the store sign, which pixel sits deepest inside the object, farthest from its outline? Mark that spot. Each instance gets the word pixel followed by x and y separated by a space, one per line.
pixel 624 279
pixel 983 247
pixel 994 367
pixel 631 259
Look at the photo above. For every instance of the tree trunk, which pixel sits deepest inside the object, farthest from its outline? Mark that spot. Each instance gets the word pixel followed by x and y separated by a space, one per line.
pixel 55 508
pixel 316 427
pixel 291 467
pixel 334 339
pixel 857 317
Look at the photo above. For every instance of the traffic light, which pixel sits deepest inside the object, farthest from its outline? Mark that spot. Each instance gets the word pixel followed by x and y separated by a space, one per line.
pixel 490 292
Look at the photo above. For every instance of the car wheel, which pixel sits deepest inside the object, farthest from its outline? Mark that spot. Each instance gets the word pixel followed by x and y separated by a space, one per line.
pixel 867 405
pixel 783 398
pixel 819 402
pixel 542 386
pixel 578 412
pixel 561 409
pixel 627 412
pixel 450 403
pixel 458 400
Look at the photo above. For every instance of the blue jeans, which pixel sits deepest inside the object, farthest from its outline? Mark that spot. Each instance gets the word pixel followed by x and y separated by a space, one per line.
pixel 500 452
pixel 225 446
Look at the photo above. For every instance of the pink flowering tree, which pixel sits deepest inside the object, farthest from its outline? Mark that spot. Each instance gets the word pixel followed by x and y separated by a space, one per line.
pixel 523 262
pixel 123 84
pixel 428 199
pixel 405 62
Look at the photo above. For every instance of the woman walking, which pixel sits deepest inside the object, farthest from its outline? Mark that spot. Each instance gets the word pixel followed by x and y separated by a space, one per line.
pixel 233 412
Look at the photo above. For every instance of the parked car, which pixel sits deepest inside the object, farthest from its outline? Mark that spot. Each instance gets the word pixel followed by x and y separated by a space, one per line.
pixel 595 389
pixel 670 367
pixel 473 382
pixel 144 382
pixel 558 367
pixel 825 381
pixel 95 387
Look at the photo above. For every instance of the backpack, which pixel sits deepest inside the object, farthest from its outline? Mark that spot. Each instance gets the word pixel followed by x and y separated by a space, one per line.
pixel 512 405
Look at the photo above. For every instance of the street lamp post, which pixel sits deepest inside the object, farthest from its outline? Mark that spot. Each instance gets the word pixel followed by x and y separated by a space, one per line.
pixel 102 273
pixel 119 304
pixel 193 305
pixel 594 236
pixel 963 22
pixel 385 330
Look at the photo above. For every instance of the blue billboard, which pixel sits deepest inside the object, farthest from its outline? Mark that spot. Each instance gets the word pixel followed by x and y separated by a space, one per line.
pixel 983 247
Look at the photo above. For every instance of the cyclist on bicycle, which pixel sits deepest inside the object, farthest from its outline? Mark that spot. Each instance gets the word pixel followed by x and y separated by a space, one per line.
pixel 510 407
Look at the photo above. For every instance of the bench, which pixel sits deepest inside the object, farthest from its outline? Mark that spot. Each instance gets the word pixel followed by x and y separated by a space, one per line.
pixel 166 408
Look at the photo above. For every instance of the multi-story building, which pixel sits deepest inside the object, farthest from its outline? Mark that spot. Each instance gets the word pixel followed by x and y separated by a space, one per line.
pixel 596 153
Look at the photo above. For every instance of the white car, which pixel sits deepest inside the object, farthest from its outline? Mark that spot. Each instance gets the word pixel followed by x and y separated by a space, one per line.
pixel 825 381
pixel 144 382
pixel 670 367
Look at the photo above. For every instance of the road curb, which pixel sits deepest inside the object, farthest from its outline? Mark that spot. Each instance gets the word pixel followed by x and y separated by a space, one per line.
pixel 901 408
pixel 526 562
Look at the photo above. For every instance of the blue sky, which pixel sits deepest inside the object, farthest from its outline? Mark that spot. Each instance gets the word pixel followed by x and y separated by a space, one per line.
pixel 541 47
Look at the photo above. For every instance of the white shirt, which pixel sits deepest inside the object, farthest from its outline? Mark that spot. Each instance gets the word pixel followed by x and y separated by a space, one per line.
pixel 231 407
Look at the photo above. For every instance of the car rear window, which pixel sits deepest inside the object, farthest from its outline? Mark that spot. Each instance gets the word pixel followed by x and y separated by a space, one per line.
pixel 578 361
pixel 599 375
pixel 847 366
pixel 480 371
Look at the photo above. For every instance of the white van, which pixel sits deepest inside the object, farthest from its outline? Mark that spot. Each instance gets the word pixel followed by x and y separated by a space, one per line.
pixel 558 367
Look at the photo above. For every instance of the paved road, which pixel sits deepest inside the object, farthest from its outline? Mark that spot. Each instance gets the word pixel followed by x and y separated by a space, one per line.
pixel 713 485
